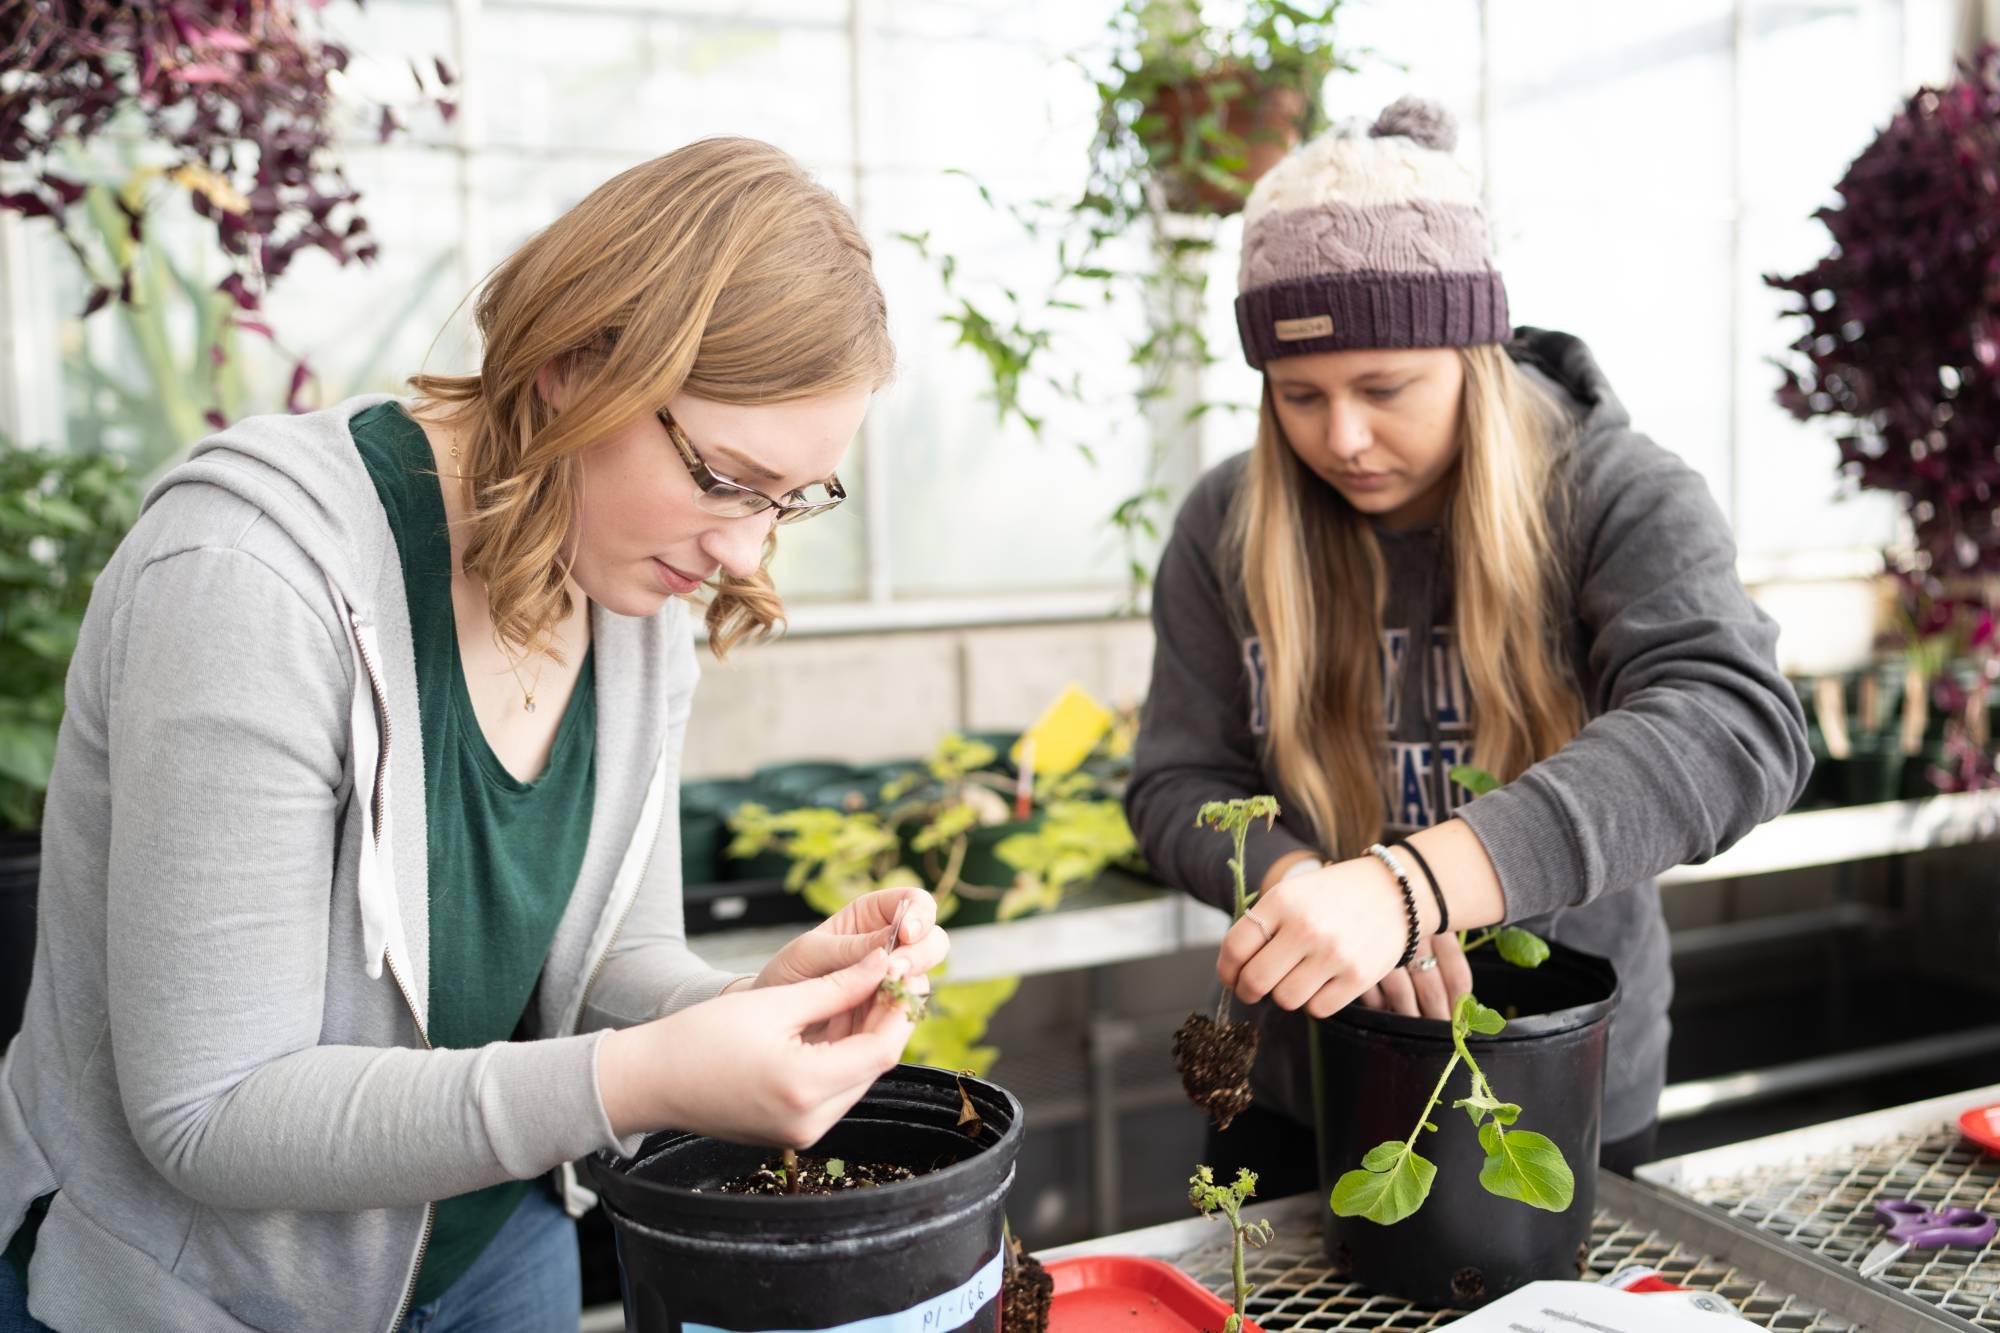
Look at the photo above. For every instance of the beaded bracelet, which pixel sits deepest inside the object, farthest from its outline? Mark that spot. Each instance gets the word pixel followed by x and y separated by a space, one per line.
pixel 1444 913
pixel 1387 858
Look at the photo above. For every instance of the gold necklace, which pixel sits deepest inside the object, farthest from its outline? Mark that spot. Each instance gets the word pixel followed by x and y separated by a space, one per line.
pixel 527 691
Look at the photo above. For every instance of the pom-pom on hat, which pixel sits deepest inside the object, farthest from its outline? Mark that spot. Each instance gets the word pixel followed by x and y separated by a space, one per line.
pixel 1371 239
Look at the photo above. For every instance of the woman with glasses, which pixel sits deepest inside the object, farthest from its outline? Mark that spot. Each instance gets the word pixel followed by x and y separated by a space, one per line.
pixel 360 899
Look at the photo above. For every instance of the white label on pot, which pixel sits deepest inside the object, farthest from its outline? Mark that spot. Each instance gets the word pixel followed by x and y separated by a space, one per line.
pixel 954 1309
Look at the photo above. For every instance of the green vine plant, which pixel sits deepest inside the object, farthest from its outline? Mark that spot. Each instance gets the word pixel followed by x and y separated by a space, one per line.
pixel 1226 1201
pixel 1186 100
pixel 1394 1178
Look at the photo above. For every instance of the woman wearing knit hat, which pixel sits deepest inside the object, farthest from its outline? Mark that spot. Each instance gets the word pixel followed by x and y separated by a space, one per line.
pixel 1447 546
pixel 360 898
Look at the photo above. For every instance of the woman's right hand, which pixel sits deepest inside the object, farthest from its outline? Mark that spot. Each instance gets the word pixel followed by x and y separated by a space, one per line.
pixel 739 1067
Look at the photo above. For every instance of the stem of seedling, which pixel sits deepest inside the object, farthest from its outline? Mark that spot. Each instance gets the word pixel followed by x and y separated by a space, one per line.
pixel 1234 817
pixel 791 1166
pixel 1437 1093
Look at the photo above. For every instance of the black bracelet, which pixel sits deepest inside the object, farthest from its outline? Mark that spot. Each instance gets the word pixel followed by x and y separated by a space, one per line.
pixel 1382 854
pixel 1444 913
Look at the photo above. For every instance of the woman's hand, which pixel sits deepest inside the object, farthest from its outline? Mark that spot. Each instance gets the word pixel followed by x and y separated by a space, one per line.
pixel 849 934
pixel 745 1065
pixel 1321 940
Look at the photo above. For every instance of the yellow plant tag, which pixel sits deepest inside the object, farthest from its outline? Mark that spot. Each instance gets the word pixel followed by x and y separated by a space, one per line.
pixel 1065 735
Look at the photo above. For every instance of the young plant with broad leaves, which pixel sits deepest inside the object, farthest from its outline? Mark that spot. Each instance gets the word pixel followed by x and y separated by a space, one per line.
pixel 1394 1179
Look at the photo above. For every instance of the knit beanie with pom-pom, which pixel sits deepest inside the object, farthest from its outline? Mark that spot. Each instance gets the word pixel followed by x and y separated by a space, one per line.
pixel 1371 239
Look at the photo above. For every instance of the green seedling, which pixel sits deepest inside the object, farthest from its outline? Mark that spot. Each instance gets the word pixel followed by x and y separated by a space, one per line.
pixel 835 1168
pixel 1211 1199
pixel 788 1169
pixel 1214 1055
pixel 1235 819
pixel 897 991
pixel 1394 1179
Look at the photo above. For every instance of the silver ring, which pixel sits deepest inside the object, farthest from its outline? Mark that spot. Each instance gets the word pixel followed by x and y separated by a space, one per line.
pixel 1428 963
pixel 1253 917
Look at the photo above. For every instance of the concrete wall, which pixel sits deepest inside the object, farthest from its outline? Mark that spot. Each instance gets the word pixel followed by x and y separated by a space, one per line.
pixel 890 695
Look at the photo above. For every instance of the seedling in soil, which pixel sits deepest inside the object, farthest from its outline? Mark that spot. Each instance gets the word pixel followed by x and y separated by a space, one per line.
pixel 1394 1179
pixel 1214 1055
pixel 1210 1199
pixel 794 1174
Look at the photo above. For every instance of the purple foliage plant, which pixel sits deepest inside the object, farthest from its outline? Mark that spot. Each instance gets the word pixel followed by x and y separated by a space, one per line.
pixel 238 92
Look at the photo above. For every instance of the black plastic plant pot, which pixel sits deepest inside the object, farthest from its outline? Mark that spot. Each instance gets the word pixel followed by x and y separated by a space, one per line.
pixel 1375 1071
pixel 919 1254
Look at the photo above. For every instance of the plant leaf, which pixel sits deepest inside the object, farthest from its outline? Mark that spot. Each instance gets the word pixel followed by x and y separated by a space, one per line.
pixel 1472 1016
pixel 1382 1156
pixel 1475 780
pixel 1522 948
pixel 1386 1197
pixel 1526 1166
pixel 1479 1106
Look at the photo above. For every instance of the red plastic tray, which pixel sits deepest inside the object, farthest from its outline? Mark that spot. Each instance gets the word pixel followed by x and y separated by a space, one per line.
pixel 1117 1293
pixel 1982 1126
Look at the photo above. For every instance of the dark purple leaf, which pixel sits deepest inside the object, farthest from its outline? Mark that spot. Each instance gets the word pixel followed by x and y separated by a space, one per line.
pixel 301 376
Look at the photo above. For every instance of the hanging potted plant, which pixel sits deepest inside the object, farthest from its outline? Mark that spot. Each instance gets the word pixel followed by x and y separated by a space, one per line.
pixel 61 517
pixel 896 1216
pixel 1202 110
pixel 1505 1206
pixel 1193 106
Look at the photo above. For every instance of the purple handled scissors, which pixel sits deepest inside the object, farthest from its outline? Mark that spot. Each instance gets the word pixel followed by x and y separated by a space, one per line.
pixel 1914 1226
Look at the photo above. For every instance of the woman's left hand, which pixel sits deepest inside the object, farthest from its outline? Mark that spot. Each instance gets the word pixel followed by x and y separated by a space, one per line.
pixel 1321 940
pixel 844 938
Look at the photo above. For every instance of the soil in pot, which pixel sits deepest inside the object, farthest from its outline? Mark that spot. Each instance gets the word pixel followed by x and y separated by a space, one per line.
pixel 1373 1072
pixel 926 1251
pixel 817 1175
pixel 1214 1057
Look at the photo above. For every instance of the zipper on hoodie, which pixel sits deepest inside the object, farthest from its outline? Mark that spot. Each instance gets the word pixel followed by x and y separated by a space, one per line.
pixel 375 800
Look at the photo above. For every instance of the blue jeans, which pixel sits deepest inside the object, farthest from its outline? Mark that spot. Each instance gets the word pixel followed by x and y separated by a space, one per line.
pixel 527 1281
pixel 14 1316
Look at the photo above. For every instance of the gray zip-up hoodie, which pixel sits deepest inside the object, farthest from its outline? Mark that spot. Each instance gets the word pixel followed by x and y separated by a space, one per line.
pixel 223 1070
pixel 1694 737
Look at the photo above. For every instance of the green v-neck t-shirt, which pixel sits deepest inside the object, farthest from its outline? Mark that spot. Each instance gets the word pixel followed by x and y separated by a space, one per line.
pixel 504 854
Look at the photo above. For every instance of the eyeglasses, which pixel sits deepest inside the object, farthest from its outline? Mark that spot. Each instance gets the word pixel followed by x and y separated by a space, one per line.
pixel 731 499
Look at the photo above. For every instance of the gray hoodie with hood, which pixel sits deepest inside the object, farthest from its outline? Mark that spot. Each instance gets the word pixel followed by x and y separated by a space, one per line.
pixel 223 1074
pixel 1693 738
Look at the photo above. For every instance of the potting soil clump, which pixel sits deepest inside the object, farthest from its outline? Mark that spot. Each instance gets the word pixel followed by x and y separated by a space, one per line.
pixel 1026 1295
pixel 818 1175
pixel 1214 1061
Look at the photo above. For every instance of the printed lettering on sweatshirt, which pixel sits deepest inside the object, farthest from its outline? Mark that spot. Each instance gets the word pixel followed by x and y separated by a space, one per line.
pixel 1415 769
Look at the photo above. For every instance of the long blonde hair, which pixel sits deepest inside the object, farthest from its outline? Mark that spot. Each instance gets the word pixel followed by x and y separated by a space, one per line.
pixel 1315 583
pixel 720 269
